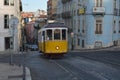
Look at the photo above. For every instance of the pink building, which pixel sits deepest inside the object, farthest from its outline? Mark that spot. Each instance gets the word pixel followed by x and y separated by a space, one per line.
pixel 29 28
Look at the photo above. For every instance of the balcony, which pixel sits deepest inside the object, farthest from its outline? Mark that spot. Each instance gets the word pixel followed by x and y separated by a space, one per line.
pixel 66 15
pixel 98 32
pixel 99 10
pixel 49 2
pixel 58 15
pixel 65 1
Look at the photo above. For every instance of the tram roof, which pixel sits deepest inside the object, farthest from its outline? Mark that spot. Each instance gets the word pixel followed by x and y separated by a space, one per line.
pixel 55 24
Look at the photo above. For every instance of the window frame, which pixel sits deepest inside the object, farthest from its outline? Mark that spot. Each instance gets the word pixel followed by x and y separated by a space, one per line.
pixel 6 21
pixel 119 27
pixel 114 26
pixel 6 2
pixel 9 2
pixel 98 26
pixel 12 2
pixel 56 37
pixel 99 3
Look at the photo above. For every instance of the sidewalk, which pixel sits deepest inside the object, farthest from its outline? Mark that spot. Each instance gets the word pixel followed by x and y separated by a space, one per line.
pixel 10 72
pixel 117 48
pixel 13 72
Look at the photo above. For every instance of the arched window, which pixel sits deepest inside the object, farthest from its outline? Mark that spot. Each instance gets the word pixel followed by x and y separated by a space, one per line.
pixel 6 2
pixel 12 2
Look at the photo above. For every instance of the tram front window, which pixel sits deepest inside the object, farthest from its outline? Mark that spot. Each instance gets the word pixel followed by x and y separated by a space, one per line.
pixel 56 34
pixel 63 34
pixel 49 35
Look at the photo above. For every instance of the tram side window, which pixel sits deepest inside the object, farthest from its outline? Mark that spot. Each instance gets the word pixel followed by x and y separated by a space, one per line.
pixel 49 35
pixel 56 34
pixel 63 34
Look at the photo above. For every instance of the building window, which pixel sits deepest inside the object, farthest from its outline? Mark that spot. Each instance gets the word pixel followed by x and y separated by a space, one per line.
pixel 12 15
pixel 78 25
pixel 119 27
pixel 78 42
pixel 6 21
pixel 12 2
pixel 83 43
pixel 6 2
pixel 98 44
pixel 114 27
pixel 115 7
pixel 74 28
pixel 115 4
pixel 83 22
pixel 98 3
pixel 98 27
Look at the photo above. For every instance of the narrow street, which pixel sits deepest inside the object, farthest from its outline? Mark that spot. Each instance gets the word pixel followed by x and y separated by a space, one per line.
pixel 88 65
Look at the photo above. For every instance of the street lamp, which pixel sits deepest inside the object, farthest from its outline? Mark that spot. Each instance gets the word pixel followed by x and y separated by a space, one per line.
pixel 13 22
pixel 13 25
pixel 72 43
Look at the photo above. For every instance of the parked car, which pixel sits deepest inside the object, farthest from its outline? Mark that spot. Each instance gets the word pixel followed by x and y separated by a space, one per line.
pixel 28 46
pixel 34 47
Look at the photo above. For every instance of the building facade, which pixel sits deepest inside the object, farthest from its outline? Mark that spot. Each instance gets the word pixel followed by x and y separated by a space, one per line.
pixel 94 23
pixel 31 23
pixel 8 9
pixel 52 9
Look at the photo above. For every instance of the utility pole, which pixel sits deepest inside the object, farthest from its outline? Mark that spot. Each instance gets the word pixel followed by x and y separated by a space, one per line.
pixel 22 49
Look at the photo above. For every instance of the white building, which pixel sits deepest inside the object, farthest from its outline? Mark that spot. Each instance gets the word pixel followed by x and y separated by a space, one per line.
pixel 9 8
pixel 39 12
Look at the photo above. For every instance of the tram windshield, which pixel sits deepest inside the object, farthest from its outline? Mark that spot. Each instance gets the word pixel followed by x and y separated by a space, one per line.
pixel 49 35
pixel 63 34
pixel 57 34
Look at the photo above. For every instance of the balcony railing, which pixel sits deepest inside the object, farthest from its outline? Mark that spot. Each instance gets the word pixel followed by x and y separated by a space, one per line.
pixel 98 10
pixel 66 15
pixel 58 15
pixel 98 32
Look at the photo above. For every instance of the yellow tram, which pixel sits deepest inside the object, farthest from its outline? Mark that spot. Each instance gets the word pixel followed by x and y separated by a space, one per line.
pixel 52 39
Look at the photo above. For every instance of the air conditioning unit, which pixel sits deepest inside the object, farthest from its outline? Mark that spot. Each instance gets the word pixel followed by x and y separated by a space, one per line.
pixel 98 10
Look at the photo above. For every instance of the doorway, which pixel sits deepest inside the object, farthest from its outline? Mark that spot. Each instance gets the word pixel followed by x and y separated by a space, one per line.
pixel 7 43
pixel 83 44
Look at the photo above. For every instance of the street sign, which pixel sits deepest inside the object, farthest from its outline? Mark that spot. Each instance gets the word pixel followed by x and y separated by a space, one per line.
pixel 13 22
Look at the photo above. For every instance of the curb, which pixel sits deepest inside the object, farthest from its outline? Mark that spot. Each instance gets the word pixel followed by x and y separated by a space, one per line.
pixel 27 75
pixel 96 49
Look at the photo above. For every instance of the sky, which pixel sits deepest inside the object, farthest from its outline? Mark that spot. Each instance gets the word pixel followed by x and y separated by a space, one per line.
pixel 34 5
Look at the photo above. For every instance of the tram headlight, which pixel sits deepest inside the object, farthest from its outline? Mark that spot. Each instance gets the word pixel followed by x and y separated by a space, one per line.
pixel 57 47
